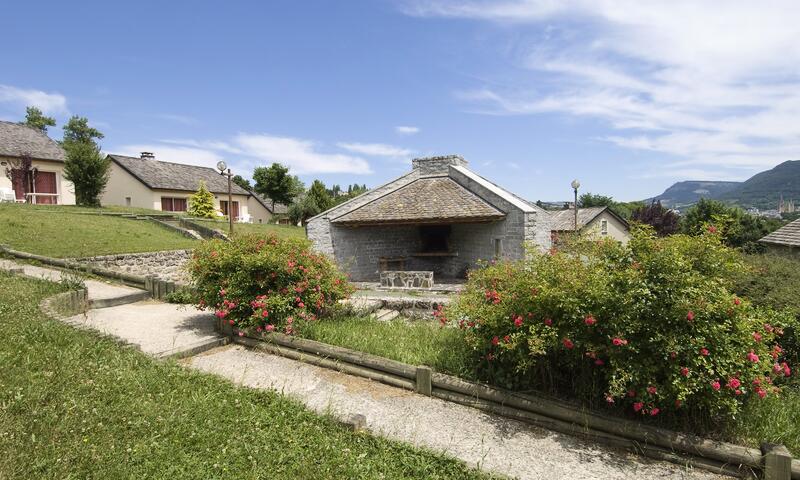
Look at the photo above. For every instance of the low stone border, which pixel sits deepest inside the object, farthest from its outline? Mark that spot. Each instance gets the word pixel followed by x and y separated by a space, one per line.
pixel 206 232
pixel 183 231
pixel 157 288
pixel 719 457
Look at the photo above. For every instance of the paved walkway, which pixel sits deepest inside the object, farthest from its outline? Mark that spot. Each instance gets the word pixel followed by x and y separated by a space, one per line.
pixel 490 442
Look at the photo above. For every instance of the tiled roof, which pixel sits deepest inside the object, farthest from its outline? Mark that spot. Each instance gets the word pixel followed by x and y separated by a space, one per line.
pixel 18 140
pixel 175 176
pixel 425 200
pixel 280 209
pixel 788 234
pixel 564 220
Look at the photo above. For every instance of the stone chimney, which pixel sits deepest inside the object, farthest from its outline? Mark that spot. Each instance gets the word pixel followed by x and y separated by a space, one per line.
pixel 437 165
pixel 147 156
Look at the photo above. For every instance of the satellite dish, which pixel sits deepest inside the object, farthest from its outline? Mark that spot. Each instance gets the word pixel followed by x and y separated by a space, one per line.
pixel 221 166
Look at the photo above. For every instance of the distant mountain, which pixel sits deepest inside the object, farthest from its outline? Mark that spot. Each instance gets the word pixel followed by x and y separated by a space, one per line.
pixel 764 189
pixel 689 192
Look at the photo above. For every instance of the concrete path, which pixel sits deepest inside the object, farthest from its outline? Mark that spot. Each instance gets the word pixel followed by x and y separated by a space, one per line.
pixel 487 441
pixel 483 440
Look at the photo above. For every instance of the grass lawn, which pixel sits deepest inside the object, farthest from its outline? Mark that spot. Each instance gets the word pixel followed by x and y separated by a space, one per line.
pixel 775 419
pixel 283 231
pixel 416 343
pixel 65 232
pixel 75 405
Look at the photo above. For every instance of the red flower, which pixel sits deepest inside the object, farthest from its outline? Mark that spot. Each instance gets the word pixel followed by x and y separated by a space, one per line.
pixel 685 371
pixel 269 328
pixel 599 362
pixel 518 321
pixel 712 229
pixel 752 357
pixel 757 336
pixel 704 352
pixel 619 341
pixel 241 333
pixel 264 313
pixel 590 320
pixel 495 340
pixel 787 372
pixel 222 292
pixel 734 383
pixel 548 322
pixel 654 411
pixel 736 301
pixel 231 322
pixel 761 392
pixel 568 343
pixel 507 339
pixel 637 406
pixel 737 392
pixel 715 385
pixel 651 390
pixel 690 316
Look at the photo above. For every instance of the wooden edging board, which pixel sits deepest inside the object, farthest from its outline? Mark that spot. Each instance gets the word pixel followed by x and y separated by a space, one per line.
pixel 654 442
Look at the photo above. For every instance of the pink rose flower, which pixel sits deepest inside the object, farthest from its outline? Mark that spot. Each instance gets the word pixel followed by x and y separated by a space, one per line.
pixel 589 321
pixel 690 316
pixel 638 406
pixel 685 371
pixel 270 328
pixel 715 385
pixel 704 352
pixel 568 343
pixel 752 357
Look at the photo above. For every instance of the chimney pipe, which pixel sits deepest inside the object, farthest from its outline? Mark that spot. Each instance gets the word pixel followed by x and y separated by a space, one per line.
pixel 148 156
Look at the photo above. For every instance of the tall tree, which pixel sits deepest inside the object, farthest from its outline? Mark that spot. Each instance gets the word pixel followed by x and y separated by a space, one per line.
pixel 242 182
pixel 663 220
pixel 85 166
pixel 320 195
pixel 77 130
pixel 38 120
pixel 88 170
pixel 739 228
pixel 275 183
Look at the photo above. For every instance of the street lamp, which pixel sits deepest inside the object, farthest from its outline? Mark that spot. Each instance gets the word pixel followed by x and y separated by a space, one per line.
pixel 221 166
pixel 575 186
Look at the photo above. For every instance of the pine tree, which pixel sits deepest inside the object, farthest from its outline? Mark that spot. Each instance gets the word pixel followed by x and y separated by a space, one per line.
pixel 201 203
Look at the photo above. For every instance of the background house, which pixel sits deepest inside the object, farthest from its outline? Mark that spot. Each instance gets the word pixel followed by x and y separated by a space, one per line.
pixel 44 183
pixel 149 183
pixel 440 217
pixel 785 240
pixel 599 221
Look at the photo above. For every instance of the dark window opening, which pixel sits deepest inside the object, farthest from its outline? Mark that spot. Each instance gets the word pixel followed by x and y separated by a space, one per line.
pixel 435 238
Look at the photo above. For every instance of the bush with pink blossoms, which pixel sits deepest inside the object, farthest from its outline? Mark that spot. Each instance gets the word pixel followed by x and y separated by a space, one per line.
pixel 265 283
pixel 649 327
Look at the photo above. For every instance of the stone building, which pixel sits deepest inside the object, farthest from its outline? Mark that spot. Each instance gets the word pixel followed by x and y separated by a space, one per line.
pixel 785 240
pixel 441 217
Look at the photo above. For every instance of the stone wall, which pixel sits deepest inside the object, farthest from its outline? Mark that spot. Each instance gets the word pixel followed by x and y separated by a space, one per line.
pixel 168 265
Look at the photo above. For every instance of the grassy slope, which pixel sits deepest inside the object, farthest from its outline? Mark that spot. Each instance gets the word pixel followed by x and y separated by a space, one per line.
pixel 65 232
pixel 73 405
pixel 284 231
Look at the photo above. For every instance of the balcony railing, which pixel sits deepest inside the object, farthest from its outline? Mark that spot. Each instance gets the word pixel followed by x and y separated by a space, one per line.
pixel 42 198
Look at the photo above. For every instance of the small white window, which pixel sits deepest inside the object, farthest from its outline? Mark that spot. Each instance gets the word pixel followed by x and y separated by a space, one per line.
pixel 603 227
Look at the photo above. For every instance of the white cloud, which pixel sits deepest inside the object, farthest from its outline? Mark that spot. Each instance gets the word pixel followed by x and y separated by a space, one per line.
pixel 406 130
pixel 708 85
pixel 300 155
pixel 247 150
pixel 376 149
pixel 184 119
pixel 175 154
pixel 49 103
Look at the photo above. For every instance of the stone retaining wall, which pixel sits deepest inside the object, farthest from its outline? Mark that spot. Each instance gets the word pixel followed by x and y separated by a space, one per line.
pixel 168 265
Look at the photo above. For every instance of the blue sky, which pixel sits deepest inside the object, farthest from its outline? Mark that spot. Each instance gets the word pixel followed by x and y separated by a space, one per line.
pixel 627 96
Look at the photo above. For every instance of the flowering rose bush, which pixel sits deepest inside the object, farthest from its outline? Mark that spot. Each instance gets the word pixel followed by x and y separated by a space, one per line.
pixel 651 326
pixel 265 283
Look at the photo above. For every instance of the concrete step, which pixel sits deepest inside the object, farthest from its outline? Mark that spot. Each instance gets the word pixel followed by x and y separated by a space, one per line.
pixel 134 297
pixel 385 315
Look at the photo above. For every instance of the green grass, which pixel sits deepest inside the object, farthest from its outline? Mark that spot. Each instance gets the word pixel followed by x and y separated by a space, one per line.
pixel 283 231
pixel 76 405
pixel 65 232
pixel 775 419
pixel 416 343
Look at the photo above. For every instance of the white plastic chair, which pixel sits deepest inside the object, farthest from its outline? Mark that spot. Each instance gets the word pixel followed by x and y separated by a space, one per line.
pixel 246 218
pixel 7 195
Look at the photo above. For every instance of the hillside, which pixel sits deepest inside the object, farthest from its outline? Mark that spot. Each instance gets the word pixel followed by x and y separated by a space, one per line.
pixel 690 191
pixel 764 189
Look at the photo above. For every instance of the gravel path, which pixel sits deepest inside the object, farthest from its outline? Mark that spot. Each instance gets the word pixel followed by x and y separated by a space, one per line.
pixel 487 441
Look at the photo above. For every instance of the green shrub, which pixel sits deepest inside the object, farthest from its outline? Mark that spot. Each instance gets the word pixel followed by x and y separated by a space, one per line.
pixel 201 203
pixel 651 326
pixel 266 283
